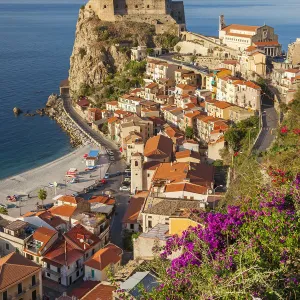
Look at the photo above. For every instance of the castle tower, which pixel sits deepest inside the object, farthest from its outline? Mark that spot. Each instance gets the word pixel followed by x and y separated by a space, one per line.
pixel 136 172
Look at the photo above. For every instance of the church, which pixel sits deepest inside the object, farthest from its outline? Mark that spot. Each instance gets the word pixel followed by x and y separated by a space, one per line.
pixel 241 37
pixel 164 14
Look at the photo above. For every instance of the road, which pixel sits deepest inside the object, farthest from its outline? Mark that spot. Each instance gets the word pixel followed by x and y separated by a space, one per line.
pixel 114 183
pixel 269 125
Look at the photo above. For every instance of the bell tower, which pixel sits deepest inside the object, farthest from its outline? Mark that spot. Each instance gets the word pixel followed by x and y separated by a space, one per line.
pixel 136 172
pixel 222 24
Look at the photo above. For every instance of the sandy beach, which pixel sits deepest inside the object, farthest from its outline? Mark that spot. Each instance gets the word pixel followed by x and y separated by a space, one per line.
pixel 31 181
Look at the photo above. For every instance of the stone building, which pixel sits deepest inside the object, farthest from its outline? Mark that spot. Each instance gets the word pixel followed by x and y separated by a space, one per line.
pixel 166 15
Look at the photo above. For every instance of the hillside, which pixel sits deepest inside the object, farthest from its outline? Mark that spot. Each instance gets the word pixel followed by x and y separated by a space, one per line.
pixel 102 50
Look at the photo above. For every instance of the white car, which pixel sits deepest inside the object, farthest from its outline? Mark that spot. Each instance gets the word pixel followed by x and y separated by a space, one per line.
pixel 127 179
pixel 125 188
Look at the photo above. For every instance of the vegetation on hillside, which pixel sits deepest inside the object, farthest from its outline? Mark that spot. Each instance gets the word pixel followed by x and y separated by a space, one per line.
pixel 120 83
pixel 241 253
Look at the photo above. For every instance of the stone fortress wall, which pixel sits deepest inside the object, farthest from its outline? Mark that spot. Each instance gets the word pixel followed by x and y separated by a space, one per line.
pixel 165 14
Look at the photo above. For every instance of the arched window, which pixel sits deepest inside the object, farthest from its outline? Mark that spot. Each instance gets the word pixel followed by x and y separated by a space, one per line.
pixel 136 6
pixel 136 163
pixel 104 6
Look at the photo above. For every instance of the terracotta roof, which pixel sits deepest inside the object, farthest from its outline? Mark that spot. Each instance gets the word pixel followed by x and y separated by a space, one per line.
pixel 151 85
pixel 192 114
pixel 187 153
pixel 62 253
pixel 110 254
pixel 113 103
pixel 222 104
pixel 230 62
pixel 83 102
pixel 268 43
pixel 251 48
pixel 190 106
pixel 186 87
pixel 14 267
pixel 84 288
pixel 81 238
pixel 94 109
pixel 100 292
pixel 71 199
pixel 63 210
pixel 173 132
pixel 294 71
pixel 191 142
pixel 180 171
pixel 64 83
pixel 241 27
pixel 150 165
pixel 247 83
pixel 186 187
pixel 158 147
pixel 112 120
pixel 176 112
pixel 102 199
pixel 43 235
pixel 133 210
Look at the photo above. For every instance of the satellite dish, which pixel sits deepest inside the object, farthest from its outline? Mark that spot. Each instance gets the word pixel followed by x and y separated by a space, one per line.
pixel 210 192
pixel 81 240
pixel 55 183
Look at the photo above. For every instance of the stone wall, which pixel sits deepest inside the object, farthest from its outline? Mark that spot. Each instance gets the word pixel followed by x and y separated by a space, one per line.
pixel 294 52
pixel 159 12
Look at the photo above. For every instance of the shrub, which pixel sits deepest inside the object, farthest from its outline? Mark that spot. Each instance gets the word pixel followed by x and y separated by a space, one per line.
pixel 82 52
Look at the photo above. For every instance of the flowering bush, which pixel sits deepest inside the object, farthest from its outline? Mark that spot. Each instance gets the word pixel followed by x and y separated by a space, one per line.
pixel 238 254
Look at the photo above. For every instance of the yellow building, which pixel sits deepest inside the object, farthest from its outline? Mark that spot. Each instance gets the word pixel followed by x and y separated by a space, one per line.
pixel 181 221
pixel 20 278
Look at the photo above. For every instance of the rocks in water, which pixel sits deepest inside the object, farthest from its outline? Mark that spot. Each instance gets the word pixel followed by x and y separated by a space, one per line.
pixel 17 111
pixel 28 114
pixel 40 112
pixel 52 100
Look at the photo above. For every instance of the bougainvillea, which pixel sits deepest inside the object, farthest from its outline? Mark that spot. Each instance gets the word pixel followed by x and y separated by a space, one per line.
pixel 238 254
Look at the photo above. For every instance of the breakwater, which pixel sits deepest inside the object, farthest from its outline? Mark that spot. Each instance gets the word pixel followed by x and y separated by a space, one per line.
pixel 54 109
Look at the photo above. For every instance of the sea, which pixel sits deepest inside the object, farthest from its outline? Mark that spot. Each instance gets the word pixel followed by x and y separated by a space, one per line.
pixel 36 40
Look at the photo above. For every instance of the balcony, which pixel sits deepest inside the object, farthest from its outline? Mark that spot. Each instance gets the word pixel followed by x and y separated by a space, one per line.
pixel 33 286
pixel 52 272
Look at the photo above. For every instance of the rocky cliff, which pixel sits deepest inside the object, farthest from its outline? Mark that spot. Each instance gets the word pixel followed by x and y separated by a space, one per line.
pixel 102 48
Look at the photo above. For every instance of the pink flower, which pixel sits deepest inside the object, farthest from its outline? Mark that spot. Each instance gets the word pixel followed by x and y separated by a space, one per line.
pixel 296 131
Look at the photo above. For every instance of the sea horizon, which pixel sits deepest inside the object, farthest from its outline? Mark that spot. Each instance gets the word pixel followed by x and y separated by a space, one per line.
pixel 36 44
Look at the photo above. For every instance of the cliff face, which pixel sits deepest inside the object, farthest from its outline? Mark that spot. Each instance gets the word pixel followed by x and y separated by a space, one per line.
pixel 102 48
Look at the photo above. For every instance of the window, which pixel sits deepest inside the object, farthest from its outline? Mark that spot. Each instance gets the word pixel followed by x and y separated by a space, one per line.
pixel 7 246
pixel 93 251
pixel 33 280
pixel 132 226
pixel 20 288
pixel 37 259
pixel 93 273
pixel 77 273
pixel 58 270
pixel 48 275
pixel 149 224
pixel 4 297
pixel 48 266
pixel 136 163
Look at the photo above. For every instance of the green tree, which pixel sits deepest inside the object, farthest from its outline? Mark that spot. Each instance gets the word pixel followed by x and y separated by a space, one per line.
pixel 150 51
pixel 189 132
pixel 42 195
pixel 104 128
pixel 3 211
pixel 178 48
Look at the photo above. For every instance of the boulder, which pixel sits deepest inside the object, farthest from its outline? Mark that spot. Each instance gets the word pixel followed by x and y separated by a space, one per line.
pixel 17 111
pixel 52 100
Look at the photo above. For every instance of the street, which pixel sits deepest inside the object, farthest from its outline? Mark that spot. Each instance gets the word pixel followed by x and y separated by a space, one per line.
pixel 114 183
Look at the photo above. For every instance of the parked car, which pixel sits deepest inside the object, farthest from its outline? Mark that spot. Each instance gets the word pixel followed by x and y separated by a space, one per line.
pixel 106 176
pixel 112 158
pixel 74 180
pixel 118 173
pixel 127 183
pixel 49 205
pixel 85 155
pixel 128 175
pixel 103 181
pixel 127 179
pixel 125 188
pixel 128 170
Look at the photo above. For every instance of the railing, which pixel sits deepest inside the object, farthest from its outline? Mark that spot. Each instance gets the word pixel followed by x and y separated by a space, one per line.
pixel 50 271
pixel 34 285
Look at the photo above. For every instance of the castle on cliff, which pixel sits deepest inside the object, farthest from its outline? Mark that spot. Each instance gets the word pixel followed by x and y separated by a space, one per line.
pixel 166 15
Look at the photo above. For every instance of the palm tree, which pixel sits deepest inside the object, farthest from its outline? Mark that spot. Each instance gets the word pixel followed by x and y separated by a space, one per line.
pixel 42 195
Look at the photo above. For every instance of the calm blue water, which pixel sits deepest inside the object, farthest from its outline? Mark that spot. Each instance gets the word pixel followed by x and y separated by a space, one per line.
pixel 35 45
